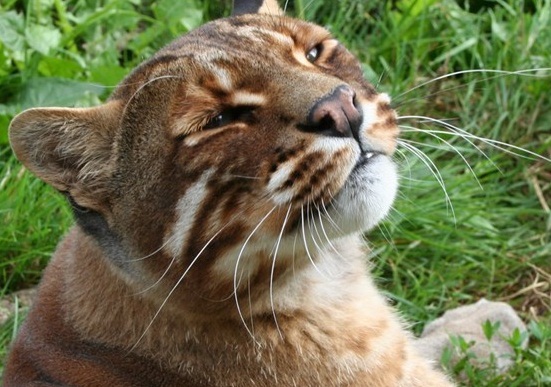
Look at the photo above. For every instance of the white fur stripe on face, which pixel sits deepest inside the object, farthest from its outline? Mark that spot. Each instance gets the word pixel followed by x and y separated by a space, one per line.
pixel 186 211
pixel 223 77
pixel 246 98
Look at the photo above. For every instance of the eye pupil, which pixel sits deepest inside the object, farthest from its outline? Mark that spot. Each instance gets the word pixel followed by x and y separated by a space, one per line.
pixel 217 121
pixel 313 54
pixel 231 115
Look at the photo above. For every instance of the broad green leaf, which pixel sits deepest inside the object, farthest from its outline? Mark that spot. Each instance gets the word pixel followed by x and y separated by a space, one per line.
pixel 186 13
pixel 42 39
pixel 58 92
pixel 11 32
pixel 490 329
pixel 536 330
pixel 108 76
pixel 5 65
pixel 58 67
pixel 147 37
pixel 192 19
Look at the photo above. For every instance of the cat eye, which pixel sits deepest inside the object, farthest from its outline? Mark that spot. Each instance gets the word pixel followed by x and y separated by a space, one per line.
pixel 314 53
pixel 218 121
pixel 229 116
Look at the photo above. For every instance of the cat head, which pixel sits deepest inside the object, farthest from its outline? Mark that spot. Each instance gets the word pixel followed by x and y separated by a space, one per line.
pixel 250 136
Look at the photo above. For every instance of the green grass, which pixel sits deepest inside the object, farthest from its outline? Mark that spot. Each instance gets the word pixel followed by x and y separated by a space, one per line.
pixel 495 243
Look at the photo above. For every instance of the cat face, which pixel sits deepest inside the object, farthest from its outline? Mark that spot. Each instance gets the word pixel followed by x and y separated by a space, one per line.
pixel 249 139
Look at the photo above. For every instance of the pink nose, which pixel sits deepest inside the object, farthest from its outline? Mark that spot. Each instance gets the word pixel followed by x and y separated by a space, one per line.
pixel 335 114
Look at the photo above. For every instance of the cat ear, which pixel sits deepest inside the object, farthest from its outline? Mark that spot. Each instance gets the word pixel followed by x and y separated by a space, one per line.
pixel 70 149
pixel 268 7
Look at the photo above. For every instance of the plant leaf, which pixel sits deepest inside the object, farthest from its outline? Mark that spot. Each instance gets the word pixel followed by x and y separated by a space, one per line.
pixel 58 92
pixel 42 39
pixel 11 32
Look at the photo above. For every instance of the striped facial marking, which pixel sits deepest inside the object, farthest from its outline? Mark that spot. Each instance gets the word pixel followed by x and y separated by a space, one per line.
pixel 271 141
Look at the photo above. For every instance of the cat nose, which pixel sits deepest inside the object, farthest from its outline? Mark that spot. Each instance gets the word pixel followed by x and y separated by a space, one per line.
pixel 335 114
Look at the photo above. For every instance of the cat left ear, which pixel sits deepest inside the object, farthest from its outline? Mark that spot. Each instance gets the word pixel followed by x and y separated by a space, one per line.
pixel 267 7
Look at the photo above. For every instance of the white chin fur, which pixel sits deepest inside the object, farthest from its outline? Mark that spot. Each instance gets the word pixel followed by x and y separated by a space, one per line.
pixel 367 196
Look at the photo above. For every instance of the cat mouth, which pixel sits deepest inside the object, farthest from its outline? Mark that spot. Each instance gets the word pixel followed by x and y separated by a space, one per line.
pixel 366 158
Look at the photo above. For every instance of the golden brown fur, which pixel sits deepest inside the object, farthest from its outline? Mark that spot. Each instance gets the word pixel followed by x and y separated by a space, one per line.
pixel 219 196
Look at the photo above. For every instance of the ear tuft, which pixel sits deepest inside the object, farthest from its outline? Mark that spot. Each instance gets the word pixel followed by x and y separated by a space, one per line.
pixel 267 7
pixel 69 149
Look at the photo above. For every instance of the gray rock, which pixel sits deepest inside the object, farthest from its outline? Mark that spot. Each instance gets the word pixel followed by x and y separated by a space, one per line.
pixel 466 321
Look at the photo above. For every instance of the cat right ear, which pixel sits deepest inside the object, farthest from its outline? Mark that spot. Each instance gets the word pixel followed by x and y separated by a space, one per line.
pixel 267 7
pixel 68 148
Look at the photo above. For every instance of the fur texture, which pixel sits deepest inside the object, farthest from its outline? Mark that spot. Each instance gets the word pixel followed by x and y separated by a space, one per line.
pixel 220 195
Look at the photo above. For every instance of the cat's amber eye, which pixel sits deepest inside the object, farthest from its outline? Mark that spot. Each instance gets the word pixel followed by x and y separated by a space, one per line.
pixel 314 53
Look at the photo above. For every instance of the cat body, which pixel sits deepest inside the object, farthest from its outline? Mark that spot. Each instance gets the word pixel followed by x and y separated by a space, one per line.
pixel 220 195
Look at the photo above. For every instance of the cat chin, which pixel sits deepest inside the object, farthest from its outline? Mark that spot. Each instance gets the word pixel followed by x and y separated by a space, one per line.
pixel 367 195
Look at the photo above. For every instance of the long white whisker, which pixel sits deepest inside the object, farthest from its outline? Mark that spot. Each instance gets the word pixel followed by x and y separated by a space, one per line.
pixel 235 282
pixel 452 147
pixel 273 269
pixel 312 226
pixel 160 278
pixel 306 243
pixel 325 233
pixel 526 73
pixel 154 252
pixel 502 146
pixel 453 132
pixel 406 128
pixel 401 153
pixel 434 170
pixel 328 216
pixel 250 303
pixel 147 84
pixel 175 286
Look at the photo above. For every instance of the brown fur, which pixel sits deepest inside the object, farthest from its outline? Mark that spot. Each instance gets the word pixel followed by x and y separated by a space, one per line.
pixel 219 254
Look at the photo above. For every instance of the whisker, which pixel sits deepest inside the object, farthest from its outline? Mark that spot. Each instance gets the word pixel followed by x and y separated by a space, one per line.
pixel 434 170
pixel 443 122
pixel 250 303
pixel 306 243
pixel 326 236
pixel 235 282
pixel 245 177
pixel 273 269
pixel 526 73
pixel 285 6
pixel 451 147
pixel 294 251
pixel 502 146
pixel 160 278
pixel 328 216
pixel 312 226
pixel 434 133
pixel 404 157
pixel 175 286
pixel 148 83
pixel 154 252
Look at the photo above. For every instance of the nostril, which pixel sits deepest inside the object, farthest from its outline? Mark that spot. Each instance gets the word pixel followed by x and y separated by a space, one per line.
pixel 355 102
pixel 328 122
